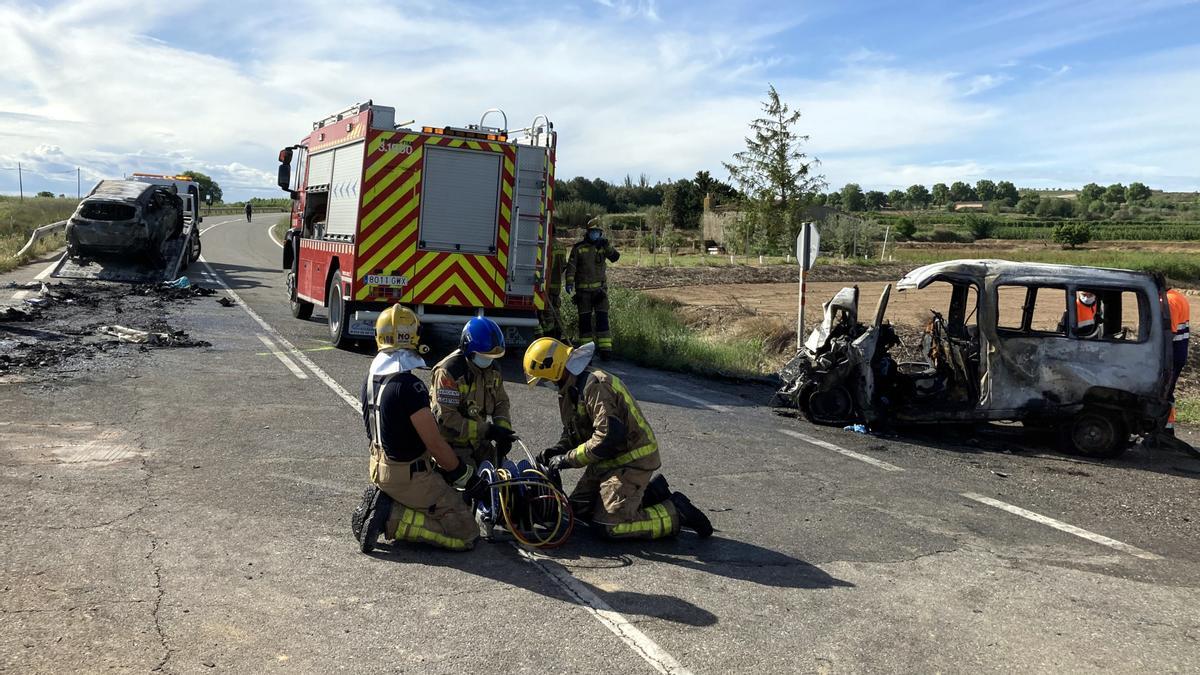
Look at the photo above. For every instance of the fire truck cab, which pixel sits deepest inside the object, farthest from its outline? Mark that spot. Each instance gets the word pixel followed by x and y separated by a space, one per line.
pixel 450 221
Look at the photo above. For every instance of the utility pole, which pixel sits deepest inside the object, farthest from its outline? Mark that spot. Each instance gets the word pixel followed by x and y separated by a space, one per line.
pixel 78 191
pixel 20 182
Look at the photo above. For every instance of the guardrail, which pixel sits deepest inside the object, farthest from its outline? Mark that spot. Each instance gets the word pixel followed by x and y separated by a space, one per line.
pixel 234 210
pixel 39 234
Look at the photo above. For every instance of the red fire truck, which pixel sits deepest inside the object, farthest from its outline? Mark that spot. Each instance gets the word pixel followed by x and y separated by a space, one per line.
pixel 450 221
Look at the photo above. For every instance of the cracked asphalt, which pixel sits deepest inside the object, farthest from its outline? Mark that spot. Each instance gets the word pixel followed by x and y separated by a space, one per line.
pixel 187 510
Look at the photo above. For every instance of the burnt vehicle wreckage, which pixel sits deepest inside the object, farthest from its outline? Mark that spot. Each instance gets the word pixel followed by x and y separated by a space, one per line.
pixel 1014 344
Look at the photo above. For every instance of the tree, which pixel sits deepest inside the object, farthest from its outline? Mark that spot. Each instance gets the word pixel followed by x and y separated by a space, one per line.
pixel 775 175
pixel 1029 202
pixel 961 192
pixel 45 193
pixel 853 198
pixel 895 199
pixel 985 189
pixel 1007 193
pixel 683 205
pixel 1054 208
pixel 1115 194
pixel 875 200
pixel 1137 192
pixel 208 186
pixel 979 227
pixel 833 200
pixel 1071 235
pixel 1091 193
pixel 906 228
pixel 941 194
pixel 918 196
pixel 720 191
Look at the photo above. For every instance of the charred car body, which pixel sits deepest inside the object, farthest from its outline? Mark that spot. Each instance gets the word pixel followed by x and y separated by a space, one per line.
pixel 124 217
pixel 1015 343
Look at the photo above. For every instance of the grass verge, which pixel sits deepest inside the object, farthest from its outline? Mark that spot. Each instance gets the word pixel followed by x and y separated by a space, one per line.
pixel 280 227
pixel 1187 411
pixel 20 217
pixel 649 332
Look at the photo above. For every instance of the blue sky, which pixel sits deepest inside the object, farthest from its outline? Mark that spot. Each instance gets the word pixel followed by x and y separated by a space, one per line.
pixel 1046 94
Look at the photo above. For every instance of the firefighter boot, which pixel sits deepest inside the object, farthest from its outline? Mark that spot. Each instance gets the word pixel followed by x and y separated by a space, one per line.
pixel 657 491
pixel 370 518
pixel 692 517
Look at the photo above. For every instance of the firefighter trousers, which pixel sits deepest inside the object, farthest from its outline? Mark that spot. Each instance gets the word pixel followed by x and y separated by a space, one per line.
pixel 550 319
pixel 593 318
pixel 426 508
pixel 617 496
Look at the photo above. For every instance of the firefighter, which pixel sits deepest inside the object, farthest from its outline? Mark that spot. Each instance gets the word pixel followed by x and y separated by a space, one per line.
pixel 1087 318
pixel 605 433
pixel 469 402
pixel 587 282
pixel 550 319
pixel 1181 313
pixel 249 211
pixel 410 498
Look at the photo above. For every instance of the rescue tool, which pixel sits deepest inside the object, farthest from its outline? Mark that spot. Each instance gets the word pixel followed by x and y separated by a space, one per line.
pixel 453 222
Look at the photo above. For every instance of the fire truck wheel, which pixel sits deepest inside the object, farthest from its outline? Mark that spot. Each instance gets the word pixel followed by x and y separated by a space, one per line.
pixel 337 313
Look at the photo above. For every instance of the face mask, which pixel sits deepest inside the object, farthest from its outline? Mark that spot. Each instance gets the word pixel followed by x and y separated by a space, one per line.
pixel 482 361
pixel 593 235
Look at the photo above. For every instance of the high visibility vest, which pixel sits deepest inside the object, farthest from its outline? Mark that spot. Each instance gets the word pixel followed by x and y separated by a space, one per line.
pixel 1180 314
pixel 1085 317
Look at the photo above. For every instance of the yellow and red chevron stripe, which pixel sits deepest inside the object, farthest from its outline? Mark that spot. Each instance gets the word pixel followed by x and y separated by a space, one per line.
pixel 390 226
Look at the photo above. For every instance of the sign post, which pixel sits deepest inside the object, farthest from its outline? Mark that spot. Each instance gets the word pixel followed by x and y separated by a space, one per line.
pixel 808 245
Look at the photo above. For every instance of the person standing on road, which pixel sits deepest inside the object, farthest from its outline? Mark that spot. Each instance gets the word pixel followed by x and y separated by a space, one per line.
pixel 410 498
pixel 1181 313
pixel 550 319
pixel 469 403
pixel 249 211
pixel 587 281
pixel 605 433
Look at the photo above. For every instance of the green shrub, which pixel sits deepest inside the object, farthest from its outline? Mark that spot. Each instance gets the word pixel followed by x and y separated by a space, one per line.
pixel 905 228
pixel 1071 235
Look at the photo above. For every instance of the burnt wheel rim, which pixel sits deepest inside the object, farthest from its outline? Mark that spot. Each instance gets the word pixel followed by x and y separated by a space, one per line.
pixel 1093 433
pixel 834 404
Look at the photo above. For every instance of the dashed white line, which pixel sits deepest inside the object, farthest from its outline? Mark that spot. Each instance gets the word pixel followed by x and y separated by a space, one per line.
pixel 1065 527
pixel 283 358
pixel 671 391
pixel 840 450
pixel 635 639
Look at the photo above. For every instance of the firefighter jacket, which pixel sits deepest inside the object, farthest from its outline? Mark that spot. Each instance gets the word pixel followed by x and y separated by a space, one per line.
pixel 554 270
pixel 603 425
pixel 465 396
pixel 587 265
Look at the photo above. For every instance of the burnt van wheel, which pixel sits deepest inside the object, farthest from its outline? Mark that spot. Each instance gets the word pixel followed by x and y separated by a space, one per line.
pixel 833 406
pixel 1096 434
pixel 336 305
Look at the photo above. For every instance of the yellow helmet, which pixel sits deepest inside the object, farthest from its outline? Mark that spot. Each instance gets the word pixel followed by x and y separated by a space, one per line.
pixel 545 359
pixel 396 328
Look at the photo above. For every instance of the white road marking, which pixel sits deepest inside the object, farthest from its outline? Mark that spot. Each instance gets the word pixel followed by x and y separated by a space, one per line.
pixel 694 399
pixel 350 400
pixel 849 453
pixel 271 234
pixel 1065 527
pixel 614 621
pixel 635 639
pixel 291 365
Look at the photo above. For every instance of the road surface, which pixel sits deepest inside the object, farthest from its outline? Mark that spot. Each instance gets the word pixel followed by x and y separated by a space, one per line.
pixel 188 511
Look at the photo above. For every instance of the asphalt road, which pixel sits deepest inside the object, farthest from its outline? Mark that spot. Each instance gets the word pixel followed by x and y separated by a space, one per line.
pixel 188 511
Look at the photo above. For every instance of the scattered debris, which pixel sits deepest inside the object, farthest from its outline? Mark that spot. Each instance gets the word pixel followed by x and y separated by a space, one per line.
pixel 225 301
pixel 856 428
pixel 1001 474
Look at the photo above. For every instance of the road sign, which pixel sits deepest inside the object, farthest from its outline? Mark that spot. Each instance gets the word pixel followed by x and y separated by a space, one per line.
pixel 808 246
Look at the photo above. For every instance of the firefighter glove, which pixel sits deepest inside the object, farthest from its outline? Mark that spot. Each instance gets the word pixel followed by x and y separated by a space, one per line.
pixel 498 433
pixel 546 455
pixel 558 462
pixel 502 449
pixel 476 489
pixel 458 477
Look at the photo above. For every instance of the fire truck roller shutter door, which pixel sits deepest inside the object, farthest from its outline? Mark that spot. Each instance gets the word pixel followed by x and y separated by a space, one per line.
pixel 320 169
pixel 460 200
pixel 344 189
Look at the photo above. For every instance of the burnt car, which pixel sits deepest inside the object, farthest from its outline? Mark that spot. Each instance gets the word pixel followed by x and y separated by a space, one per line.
pixel 124 218
pixel 1082 351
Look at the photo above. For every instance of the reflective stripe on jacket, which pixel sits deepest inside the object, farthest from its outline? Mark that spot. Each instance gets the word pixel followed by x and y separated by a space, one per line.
pixel 588 263
pixel 464 397
pixel 1181 314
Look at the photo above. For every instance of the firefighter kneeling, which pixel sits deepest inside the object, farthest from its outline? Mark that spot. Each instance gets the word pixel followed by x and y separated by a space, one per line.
pixel 411 498
pixel 469 403
pixel 605 433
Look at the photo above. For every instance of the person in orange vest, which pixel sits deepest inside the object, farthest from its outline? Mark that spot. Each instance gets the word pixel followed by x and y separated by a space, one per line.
pixel 1180 332
pixel 1086 315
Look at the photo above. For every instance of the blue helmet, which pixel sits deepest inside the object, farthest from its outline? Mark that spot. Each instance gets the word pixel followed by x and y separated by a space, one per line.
pixel 482 336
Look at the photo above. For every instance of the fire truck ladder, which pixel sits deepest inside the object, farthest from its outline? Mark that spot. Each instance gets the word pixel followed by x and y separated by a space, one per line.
pixel 529 219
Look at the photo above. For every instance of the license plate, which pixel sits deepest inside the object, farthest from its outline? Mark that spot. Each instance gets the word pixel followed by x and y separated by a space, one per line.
pixel 385 280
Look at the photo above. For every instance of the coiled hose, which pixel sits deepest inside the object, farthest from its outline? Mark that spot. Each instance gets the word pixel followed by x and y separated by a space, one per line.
pixel 527 502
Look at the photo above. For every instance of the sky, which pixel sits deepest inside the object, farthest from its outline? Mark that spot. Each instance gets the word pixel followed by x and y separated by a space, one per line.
pixel 1045 94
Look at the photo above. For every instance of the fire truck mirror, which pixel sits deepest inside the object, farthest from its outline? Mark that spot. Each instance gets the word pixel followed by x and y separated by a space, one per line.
pixel 285 156
pixel 285 177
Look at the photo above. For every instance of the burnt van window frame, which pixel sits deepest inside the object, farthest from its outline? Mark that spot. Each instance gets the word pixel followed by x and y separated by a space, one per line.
pixel 1105 296
pixel 1032 291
